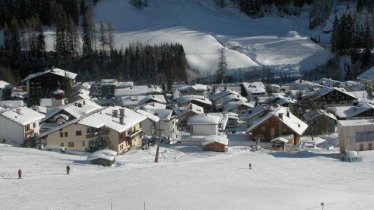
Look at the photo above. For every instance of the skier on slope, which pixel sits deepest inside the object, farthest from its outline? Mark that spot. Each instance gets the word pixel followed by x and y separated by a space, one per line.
pixel 67 169
pixel 250 166
pixel 19 174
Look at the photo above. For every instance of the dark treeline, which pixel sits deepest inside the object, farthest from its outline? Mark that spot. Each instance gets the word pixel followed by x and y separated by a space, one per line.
pixel 259 8
pixel 353 38
pixel 80 45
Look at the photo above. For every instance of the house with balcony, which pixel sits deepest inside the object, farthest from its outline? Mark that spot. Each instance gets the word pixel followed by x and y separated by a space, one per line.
pixel 120 125
pixel 19 125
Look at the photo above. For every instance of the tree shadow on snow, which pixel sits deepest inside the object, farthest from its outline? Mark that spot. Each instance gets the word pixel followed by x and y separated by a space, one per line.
pixel 303 154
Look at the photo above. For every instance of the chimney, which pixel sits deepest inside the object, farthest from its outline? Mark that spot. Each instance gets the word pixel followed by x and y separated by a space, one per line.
pixel 280 115
pixel 121 120
pixel 288 113
pixel 298 125
pixel 115 113
pixel 122 112
pixel 18 110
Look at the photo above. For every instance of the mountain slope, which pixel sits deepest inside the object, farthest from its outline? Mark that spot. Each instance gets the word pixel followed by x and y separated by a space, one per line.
pixel 202 29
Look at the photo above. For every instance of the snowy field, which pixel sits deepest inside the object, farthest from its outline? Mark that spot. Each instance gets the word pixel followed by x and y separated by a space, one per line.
pixel 186 178
pixel 203 28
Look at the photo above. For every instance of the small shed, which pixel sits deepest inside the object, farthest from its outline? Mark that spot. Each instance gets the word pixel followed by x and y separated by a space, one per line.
pixel 103 157
pixel 279 143
pixel 216 143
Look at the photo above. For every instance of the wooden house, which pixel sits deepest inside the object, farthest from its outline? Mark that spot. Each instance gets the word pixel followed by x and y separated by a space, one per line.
pixel 216 143
pixel 329 96
pixel 277 122
pixel 320 122
pixel 43 84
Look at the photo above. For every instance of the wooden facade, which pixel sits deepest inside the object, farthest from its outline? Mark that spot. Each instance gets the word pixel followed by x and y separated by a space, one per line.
pixel 44 85
pixel 333 98
pixel 321 125
pixel 215 147
pixel 272 128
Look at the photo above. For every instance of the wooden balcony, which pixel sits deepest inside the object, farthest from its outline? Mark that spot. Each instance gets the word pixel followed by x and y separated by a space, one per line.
pixel 29 133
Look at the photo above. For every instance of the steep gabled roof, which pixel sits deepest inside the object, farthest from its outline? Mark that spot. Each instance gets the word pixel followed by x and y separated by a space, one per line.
pixel 291 121
pixel 55 71
pixel 325 90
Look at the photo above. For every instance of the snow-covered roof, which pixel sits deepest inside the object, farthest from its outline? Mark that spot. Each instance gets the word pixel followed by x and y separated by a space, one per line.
pixel 22 115
pixel 254 88
pixel 360 95
pixel 204 119
pixel 325 90
pixel 221 94
pixel 56 71
pixel 3 84
pixel 303 85
pixel 282 139
pixel 255 111
pixel 222 139
pixel 105 118
pixel 152 105
pixel 163 114
pixel 40 109
pixel 355 123
pixel 290 120
pixel 196 87
pixel 189 98
pixel 77 109
pixel 11 103
pixel 148 115
pixel 351 111
pixel 137 90
pixel 231 97
pixel 153 98
pixel 234 104
pixel 327 82
pixel 102 154
pixel 368 75
pixel 310 115
pixel 354 85
pixel 189 108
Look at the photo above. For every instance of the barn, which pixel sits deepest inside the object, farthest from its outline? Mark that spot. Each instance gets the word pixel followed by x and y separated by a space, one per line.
pixel 215 143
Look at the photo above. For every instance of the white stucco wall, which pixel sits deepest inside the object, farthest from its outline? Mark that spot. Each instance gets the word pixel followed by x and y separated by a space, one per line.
pixel 205 130
pixel 12 132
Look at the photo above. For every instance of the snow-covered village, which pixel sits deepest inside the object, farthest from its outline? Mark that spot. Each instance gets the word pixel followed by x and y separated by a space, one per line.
pixel 186 104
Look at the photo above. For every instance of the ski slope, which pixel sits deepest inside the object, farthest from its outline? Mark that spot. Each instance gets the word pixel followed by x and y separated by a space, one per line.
pixel 186 178
pixel 202 29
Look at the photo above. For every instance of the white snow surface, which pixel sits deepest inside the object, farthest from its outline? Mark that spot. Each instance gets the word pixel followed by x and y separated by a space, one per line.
pixel 203 28
pixel 186 178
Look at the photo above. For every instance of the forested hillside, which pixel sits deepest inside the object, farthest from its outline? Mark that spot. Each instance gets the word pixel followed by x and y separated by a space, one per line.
pixel 151 41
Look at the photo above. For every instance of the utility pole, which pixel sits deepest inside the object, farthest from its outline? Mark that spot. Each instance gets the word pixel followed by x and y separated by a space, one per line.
pixel 158 143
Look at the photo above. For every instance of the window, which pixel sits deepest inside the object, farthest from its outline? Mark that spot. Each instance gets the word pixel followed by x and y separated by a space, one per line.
pixel 66 134
pixel 361 147
pixel 61 134
pixel 263 128
pixel 71 144
pixel 370 146
pixel 365 136
pixel 78 133
pixel 34 125
pixel 83 143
